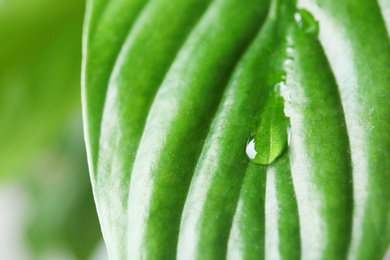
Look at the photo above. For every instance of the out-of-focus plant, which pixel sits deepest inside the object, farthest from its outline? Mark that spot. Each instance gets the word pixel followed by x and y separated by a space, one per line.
pixel 40 62
pixel 63 212
pixel 39 74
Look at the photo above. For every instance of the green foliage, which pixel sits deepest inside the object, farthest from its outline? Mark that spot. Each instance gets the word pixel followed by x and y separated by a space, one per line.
pixel 40 64
pixel 63 215
pixel 174 91
pixel 40 54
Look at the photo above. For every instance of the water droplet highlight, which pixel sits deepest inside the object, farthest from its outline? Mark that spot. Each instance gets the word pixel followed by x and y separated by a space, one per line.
pixel 306 22
pixel 250 149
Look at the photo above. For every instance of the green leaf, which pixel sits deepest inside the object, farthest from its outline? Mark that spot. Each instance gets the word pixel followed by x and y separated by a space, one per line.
pixel 174 92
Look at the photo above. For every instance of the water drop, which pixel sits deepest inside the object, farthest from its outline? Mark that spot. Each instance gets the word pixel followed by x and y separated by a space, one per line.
pixel 298 19
pixel 270 139
pixel 306 22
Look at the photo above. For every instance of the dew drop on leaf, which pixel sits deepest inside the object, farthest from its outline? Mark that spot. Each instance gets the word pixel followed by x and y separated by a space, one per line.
pixel 270 139
pixel 306 22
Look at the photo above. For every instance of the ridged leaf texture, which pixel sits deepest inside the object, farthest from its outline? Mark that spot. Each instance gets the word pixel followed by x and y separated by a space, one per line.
pixel 230 129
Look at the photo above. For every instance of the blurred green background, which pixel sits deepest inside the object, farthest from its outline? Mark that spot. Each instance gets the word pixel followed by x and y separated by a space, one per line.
pixel 46 205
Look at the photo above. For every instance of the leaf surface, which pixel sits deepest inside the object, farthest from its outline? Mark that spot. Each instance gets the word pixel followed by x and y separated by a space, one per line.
pixel 172 101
